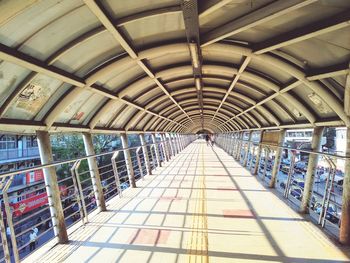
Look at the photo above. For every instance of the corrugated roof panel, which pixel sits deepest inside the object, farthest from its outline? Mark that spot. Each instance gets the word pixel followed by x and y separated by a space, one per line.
pixel 58 93
pixel 11 76
pixel 86 109
pixel 89 54
pixel 152 30
pixel 72 111
pixel 119 9
pixel 33 97
pixel 106 118
pixel 27 22
pixel 60 32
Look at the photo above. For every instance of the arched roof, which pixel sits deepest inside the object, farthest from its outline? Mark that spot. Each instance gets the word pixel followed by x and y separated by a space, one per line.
pixel 173 65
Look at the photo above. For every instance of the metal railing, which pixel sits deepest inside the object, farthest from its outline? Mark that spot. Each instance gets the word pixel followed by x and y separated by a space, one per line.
pixel 325 202
pixel 77 186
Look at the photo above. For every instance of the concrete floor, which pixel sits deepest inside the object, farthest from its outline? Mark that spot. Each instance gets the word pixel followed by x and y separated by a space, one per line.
pixel 200 207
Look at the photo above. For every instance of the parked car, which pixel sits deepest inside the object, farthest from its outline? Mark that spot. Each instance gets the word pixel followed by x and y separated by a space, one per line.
pixel 124 185
pixel 298 183
pixel 331 214
pixel 283 185
pixel 296 192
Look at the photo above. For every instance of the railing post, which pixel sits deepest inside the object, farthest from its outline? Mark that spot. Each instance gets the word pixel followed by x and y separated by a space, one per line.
pixel 128 162
pixel 239 145
pixel 94 172
pixel 8 210
pixel 267 153
pixel 248 149
pixel 116 174
pixel 178 142
pixel 256 167
pixel 234 140
pixel 182 141
pixel 145 153
pixel 156 148
pixel 173 142
pixel 139 162
pixel 232 143
pixel 311 167
pixel 52 189
pixel 344 236
pixel 4 241
pixel 252 157
pixel 171 146
pixel 276 164
pixel 165 147
pixel 79 192
pixel 225 142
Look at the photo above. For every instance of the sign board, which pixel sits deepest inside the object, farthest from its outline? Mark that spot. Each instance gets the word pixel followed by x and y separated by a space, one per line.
pixel 29 204
pixel 34 176
pixel 271 137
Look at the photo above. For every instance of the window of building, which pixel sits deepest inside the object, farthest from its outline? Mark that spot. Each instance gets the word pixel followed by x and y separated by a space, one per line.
pixel 8 142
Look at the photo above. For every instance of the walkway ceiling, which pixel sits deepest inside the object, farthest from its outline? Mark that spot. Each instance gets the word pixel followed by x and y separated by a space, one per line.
pixel 110 66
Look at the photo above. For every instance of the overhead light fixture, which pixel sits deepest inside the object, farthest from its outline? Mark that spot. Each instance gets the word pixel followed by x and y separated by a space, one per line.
pixel 194 54
pixel 319 103
pixel 198 83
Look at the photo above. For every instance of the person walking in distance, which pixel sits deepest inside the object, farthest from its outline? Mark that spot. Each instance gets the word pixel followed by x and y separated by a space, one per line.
pixel 207 138
pixel 212 140
pixel 32 239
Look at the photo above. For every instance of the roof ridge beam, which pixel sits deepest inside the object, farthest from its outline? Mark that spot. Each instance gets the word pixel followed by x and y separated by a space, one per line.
pixel 234 81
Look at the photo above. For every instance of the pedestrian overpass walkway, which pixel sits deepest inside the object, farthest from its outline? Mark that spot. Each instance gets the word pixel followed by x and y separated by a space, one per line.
pixel 200 207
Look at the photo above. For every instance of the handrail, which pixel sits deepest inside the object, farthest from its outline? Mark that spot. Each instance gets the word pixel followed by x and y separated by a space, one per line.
pixel 29 169
pixel 294 149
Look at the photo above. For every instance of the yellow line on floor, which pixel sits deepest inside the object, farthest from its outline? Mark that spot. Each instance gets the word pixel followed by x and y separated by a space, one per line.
pixel 198 242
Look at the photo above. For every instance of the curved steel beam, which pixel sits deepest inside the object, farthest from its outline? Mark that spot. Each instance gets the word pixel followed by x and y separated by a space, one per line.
pixel 328 98
pixel 206 119
pixel 97 9
pixel 252 19
pixel 78 41
pixel 220 120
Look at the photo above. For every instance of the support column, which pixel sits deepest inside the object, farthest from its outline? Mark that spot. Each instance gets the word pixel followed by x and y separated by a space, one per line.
pixel 128 162
pixel 52 189
pixel 312 164
pixel 156 148
pixel 276 164
pixel 256 168
pixel 145 153
pixel 94 173
pixel 248 149
pixel 344 235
